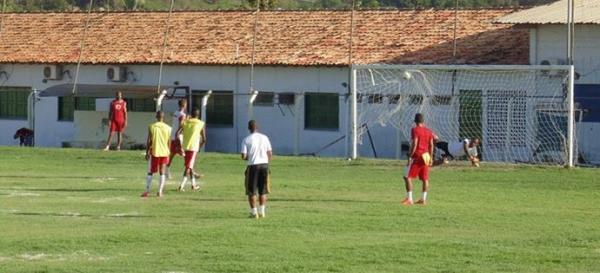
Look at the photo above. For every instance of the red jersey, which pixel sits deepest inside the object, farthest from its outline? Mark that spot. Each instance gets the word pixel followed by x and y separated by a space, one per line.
pixel 425 136
pixel 118 109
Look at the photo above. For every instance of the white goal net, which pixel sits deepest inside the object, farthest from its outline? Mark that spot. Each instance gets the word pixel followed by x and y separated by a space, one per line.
pixel 522 114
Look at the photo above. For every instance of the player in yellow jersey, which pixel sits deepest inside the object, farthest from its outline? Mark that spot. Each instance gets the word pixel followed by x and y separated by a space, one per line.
pixel 194 137
pixel 157 151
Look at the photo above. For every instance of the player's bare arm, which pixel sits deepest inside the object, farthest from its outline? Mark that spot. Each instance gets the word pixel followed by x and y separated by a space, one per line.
pixel 125 114
pixel 269 155
pixel 244 156
pixel 431 147
pixel 148 144
pixel 203 137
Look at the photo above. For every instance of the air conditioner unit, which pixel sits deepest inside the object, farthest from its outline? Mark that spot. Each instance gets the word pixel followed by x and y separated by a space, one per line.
pixel 53 72
pixel 116 73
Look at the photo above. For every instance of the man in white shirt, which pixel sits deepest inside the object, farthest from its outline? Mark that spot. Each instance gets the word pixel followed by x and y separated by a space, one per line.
pixel 465 147
pixel 257 151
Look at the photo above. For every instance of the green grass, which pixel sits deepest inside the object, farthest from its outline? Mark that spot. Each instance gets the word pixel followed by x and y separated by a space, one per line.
pixel 69 210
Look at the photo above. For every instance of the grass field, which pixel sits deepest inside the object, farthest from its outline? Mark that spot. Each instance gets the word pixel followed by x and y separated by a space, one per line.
pixel 69 210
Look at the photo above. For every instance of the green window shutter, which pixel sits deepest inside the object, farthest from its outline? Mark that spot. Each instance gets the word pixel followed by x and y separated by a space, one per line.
pixel 13 102
pixel 65 108
pixel 321 111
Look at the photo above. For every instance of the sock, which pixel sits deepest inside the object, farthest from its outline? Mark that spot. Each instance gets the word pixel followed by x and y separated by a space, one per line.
pixel 261 209
pixel 424 196
pixel 193 181
pixel 161 183
pixel 167 171
pixel 253 211
pixel 409 195
pixel 148 182
pixel 183 182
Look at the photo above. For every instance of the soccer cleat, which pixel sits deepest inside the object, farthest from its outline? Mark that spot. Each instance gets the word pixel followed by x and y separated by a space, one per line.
pixel 421 202
pixel 118 148
pixel 180 189
pixel 159 194
pixel 106 148
pixel 196 188
pixel 407 202
pixel 253 216
pixel 261 215
pixel 145 194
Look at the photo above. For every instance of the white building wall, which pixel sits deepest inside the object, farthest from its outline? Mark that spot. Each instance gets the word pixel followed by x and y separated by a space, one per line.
pixel 287 132
pixel 550 43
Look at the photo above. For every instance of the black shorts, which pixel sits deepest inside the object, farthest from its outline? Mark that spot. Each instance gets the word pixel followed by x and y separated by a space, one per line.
pixel 442 145
pixel 257 179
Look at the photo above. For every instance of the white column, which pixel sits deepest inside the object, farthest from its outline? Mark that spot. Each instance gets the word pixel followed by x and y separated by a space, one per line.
pixel 354 116
pixel 571 117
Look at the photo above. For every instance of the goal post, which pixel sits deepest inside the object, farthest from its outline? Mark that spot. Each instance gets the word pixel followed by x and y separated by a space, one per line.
pixel 521 113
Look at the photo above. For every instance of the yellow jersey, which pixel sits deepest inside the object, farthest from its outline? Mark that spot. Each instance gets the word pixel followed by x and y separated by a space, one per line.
pixel 160 134
pixel 191 134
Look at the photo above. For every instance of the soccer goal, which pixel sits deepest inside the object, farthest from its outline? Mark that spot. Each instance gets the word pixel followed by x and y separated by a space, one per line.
pixel 522 114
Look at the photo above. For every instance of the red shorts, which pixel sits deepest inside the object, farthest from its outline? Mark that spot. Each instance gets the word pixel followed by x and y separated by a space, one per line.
pixel 156 162
pixel 190 159
pixel 418 168
pixel 117 126
pixel 176 147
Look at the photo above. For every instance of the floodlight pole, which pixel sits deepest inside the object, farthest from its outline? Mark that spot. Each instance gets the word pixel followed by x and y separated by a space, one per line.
pixel 571 117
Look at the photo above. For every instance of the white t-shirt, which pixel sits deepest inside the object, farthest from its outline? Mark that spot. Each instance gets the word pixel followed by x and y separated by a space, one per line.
pixel 457 149
pixel 177 117
pixel 256 146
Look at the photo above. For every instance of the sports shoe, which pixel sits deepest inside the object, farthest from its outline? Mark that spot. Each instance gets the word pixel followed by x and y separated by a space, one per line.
pixel 407 202
pixel 180 189
pixel 261 215
pixel 196 188
pixel 421 202
pixel 159 194
pixel 145 194
pixel 106 148
pixel 253 216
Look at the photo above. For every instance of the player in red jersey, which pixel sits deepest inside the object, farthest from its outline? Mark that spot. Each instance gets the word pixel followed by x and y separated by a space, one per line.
pixel 420 159
pixel 117 120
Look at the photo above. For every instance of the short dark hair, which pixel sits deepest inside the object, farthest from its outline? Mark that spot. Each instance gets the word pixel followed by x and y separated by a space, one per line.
pixel 181 102
pixel 196 112
pixel 419 118
pixel 252 125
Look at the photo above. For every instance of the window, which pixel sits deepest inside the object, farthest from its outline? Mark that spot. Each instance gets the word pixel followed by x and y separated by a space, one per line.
pixel 321 111
pixel 441 100
pixel 219 110
pixel 13 102
pixel 415 99
pixel 68 105
pixel 141 105
pixel 264 99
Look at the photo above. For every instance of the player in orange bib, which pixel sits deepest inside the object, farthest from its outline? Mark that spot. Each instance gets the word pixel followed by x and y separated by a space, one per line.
pixel 420 159
pixel 157 152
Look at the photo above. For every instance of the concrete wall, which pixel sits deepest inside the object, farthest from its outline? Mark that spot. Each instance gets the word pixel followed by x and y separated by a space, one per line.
pixel 549 42
pixel 285 129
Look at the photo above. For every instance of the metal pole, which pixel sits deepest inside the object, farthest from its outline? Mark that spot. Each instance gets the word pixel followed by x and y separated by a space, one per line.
pixel 354 116
pixel 164 47
pixel 570 29
pixel 255 30
pixel 571 117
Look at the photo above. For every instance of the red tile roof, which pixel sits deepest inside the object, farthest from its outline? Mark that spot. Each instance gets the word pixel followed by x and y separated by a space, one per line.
pixel 283 38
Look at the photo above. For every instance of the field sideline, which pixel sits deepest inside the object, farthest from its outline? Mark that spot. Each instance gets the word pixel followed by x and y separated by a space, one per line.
pixel 70 210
